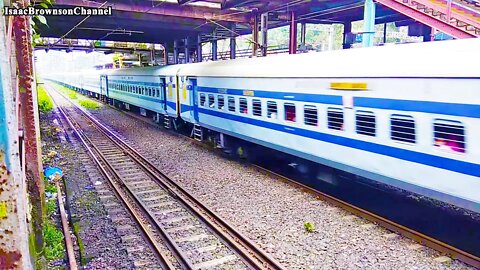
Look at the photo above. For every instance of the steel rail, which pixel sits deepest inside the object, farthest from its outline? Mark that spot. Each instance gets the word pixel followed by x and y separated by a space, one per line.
pixel 386 223
pixel 254 255
pixel 117 190
pixel 428 241
pixel 246 249
pixel 72 262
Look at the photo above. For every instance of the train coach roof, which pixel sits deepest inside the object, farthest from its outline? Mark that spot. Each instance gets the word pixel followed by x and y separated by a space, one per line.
pixel 170 70
pixel 456 58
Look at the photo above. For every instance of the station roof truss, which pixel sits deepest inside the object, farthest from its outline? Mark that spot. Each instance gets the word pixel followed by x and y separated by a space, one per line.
pixel 163 21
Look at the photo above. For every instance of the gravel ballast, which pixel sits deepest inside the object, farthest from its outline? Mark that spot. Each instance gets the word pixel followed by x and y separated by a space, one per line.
pixel 273 213
pixel 98 245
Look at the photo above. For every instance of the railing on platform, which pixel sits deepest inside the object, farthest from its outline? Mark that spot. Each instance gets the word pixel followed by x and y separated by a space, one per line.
pixel 453 17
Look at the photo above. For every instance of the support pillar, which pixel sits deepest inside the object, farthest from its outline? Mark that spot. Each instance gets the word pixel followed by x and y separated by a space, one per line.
pixel 292 44
pixel 347 29
pixel 187 55
pixel 303 35
pixel 368 23
pixel 264 31
pixel 232 41
pixel 384 33
pixel 214 47
pixel 165 53
pixel 14 247
pixel 199 48
pixel 255 36
pixel 331 32
pixel 152 58
pixel 175 52
pixel 428 34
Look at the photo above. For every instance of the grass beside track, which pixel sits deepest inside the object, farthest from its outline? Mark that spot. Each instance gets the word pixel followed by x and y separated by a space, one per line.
pixel 45 103
pixel 82 100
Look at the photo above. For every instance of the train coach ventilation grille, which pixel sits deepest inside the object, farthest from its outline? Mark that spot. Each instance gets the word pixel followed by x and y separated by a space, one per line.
pixel 197 132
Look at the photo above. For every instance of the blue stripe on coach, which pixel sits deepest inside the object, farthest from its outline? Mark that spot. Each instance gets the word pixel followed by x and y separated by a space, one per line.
pixel 409 155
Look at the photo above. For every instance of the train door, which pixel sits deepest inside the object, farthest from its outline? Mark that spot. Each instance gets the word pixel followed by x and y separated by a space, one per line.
pixel 194 98
pixel 103 86
pixel 163 94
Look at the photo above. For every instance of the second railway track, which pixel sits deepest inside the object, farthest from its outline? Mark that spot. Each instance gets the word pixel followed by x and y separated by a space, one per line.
pixel 167 214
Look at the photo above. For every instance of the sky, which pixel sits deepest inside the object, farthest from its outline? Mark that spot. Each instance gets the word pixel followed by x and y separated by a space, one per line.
pixel 60 61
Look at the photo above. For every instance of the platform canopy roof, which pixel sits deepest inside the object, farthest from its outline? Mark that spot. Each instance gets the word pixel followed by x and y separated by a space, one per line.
pixel 160 21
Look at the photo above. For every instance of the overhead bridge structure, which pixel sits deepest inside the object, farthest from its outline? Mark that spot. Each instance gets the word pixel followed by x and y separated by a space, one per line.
pixel 457 19
pixel 182 26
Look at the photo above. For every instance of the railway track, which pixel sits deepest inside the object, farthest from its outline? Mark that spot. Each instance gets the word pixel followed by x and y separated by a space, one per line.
pixel 419 237
pixel 166 213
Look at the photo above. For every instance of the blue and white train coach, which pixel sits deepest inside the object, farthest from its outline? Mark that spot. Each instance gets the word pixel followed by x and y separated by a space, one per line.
pixel 401 115
pixel 405 115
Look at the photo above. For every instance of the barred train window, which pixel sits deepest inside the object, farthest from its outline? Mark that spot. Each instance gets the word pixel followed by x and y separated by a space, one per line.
pixel 402 128
pixel 272 110
pixel 366 123
pixel 231 104
pixel 202 99
pixel 335 118
pixel 211 101
pixel 449 135
pixel 221 102
pixel 257 107
pixel 290 114
pixel 310 115
pixel 243 105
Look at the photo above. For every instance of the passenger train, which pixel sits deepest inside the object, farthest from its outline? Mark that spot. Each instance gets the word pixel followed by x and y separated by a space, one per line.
pixel 404 115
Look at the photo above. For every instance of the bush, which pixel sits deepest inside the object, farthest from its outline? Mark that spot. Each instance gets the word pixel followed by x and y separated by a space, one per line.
pixel 88 104
pixel 53 241
pixel 45 103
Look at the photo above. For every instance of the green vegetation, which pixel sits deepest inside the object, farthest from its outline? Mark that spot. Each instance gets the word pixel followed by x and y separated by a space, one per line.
pixel 81 247
pixel 82 100
pixel 51 207
pixel 73 95
pixel 309 226
pixel 45 103
pixel 53 238
pixel 67 91
pixel 89 104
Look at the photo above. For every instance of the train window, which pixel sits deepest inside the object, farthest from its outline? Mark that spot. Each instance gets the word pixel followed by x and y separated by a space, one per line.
pixel 231 104
pixel 290 113
pixel 150 93
pixel 257 107
pixel 221 102
pixel 202 100
pixel 449 135
pixel 366 123
pixel 211 101
pixel 310 115
pixel 243 105
pixel 158 92
pixel 272 110
pixel 402 128
pixel 335 118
